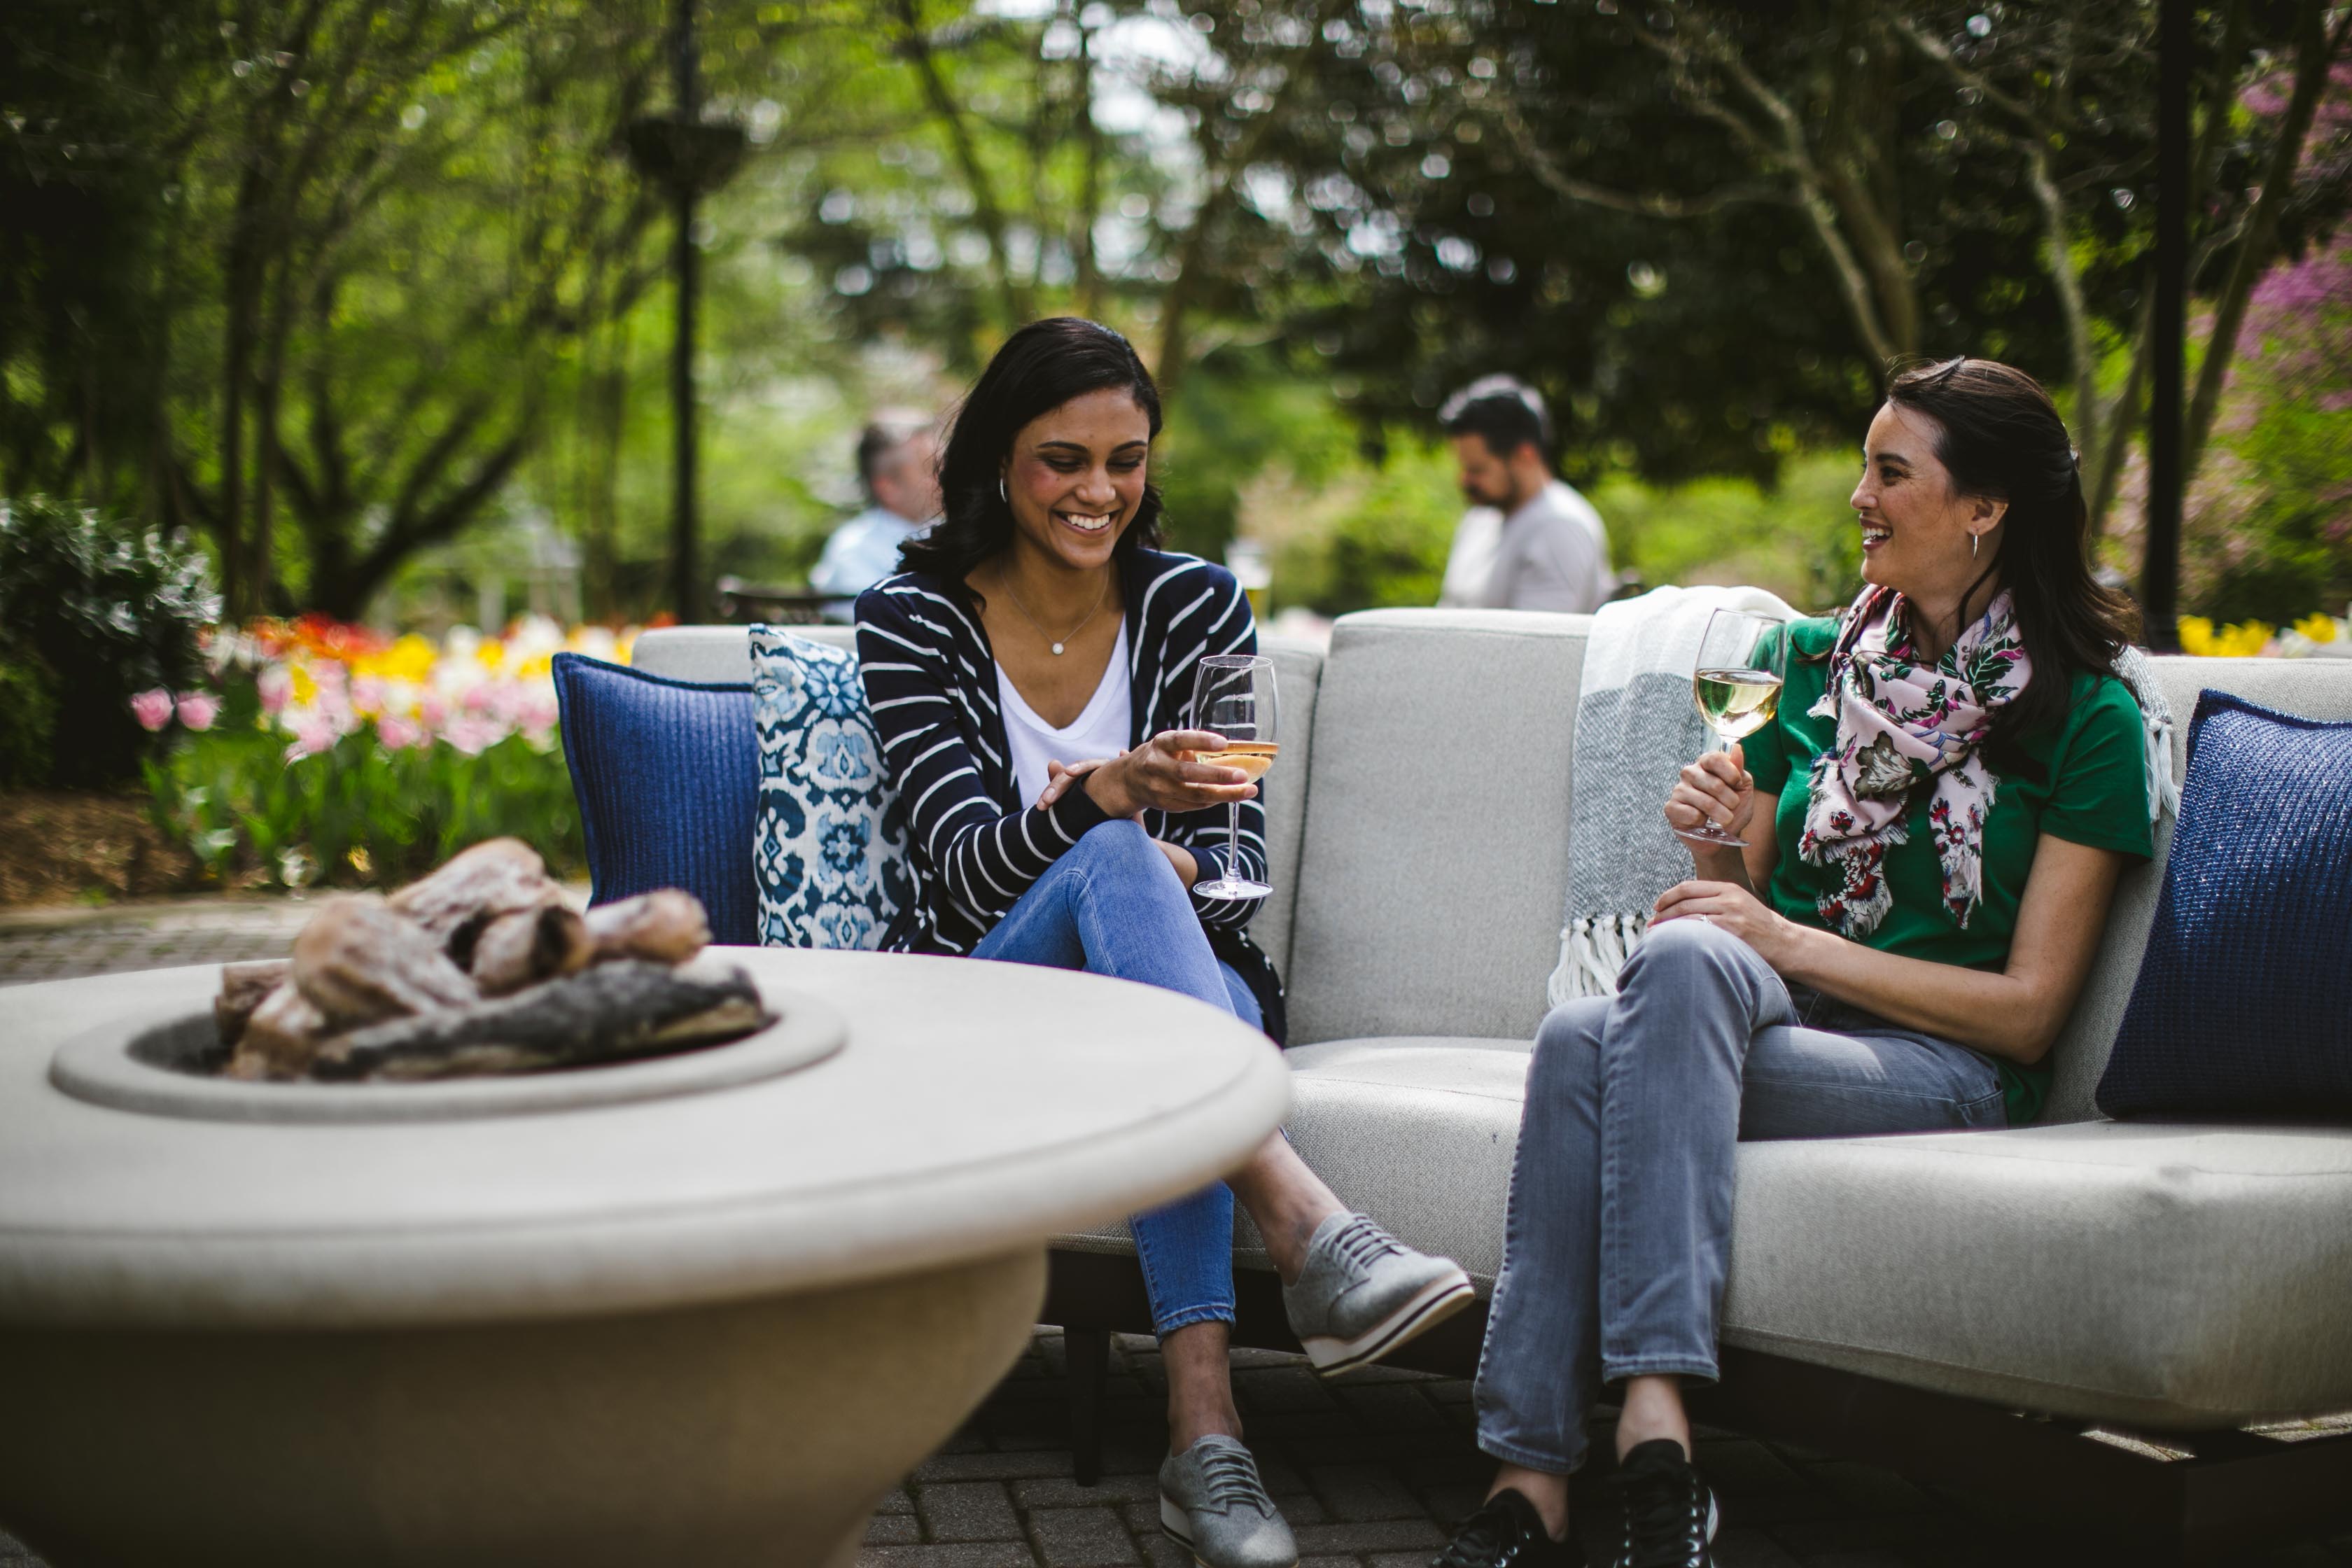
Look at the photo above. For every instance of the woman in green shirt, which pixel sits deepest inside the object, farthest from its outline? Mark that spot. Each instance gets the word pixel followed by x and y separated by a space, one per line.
pixel 1954 780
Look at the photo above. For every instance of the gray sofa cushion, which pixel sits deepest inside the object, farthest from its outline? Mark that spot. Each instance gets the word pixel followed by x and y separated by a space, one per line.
pixel 715 655
pixel 1417 1132
pixel 1435 862
pixel 2164 1276
pixel 722 655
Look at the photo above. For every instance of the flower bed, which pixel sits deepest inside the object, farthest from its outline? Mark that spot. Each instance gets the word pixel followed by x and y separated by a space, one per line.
pixel 333 753
pixel 2317 633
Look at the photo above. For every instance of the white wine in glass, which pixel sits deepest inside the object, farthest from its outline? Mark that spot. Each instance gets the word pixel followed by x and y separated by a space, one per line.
pixel 1742 662
pixel 1735 703
pixel 1252 757
pixel 1234 695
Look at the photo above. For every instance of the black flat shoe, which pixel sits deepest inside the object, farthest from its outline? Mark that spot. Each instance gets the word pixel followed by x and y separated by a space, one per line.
pixel 1506 1531
pixel 1670 1513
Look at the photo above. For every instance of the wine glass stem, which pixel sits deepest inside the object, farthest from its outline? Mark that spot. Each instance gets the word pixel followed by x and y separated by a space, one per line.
pixel 1233 841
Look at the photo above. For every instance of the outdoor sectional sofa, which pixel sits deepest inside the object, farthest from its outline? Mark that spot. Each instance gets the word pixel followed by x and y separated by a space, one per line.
pixel 2085 1312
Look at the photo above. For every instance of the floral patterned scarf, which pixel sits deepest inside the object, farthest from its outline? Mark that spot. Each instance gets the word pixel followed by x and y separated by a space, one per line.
pixel 1901 722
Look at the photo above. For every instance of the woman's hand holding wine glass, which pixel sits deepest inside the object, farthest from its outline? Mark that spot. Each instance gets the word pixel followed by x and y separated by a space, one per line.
pixel 1164 773
pixel 1234 696
pixel 1736 684
pixel 1716 789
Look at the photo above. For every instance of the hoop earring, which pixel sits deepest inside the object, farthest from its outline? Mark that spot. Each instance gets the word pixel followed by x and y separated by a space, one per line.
pixel 1001 495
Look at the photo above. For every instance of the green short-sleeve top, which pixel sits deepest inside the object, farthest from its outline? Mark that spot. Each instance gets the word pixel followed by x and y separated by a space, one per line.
pixel 2084 779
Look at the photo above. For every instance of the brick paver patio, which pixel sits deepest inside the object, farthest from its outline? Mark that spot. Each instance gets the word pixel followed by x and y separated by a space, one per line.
pixel 1369 1469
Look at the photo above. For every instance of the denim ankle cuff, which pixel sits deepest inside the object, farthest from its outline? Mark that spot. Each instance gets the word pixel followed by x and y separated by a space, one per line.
pixel 1185 1316
pixel 1614 1372
pixel 1529 1458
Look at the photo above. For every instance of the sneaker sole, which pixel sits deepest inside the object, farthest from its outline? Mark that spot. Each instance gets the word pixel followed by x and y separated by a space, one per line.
pixel 1436 1302
pixel 1171 1525
pixel 1714 1523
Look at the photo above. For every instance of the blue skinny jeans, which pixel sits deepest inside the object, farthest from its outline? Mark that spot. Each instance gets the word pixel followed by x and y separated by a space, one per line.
pixel 1618 1234
pixel 1113 905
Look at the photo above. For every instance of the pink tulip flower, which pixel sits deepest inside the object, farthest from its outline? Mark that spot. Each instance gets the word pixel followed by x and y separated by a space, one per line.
pixel 198 709
pixel 311 736
pixel 152 708
pixel 396 733
pixel 275 685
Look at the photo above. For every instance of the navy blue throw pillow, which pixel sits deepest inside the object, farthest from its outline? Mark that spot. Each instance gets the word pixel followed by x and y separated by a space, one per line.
pixel 667 776
pixel 2243 1005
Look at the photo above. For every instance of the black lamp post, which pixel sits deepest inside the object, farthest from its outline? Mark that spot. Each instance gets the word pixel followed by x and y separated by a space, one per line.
pixel 2159 583
pixel 689 160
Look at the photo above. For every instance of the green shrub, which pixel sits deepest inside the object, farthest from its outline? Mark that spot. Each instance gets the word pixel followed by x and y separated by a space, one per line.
pixel 28 719
pixel 1798 538
pixel 357 814
pixel 1370 537
pixel 107 611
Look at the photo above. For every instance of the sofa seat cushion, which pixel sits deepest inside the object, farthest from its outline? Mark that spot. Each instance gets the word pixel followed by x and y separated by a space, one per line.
pixel 1416 1131
pixel 2159 1275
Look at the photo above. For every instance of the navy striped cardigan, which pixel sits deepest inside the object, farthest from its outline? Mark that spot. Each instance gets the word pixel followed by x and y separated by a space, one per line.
pixel 976 846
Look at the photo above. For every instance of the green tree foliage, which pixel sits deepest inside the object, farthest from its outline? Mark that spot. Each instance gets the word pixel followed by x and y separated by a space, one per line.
pixel 1708 229
pixel 333 283
pixel 300 268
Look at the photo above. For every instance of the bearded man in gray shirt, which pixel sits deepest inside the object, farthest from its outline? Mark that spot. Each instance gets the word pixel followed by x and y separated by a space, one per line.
pixel 1530 541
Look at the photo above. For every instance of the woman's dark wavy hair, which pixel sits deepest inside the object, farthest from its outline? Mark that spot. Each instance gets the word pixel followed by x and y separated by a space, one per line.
pixel 2000 436
pixel 1040 367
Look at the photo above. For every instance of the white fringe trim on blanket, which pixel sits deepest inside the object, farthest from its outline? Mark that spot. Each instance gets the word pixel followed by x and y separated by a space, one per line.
pixel 1591 953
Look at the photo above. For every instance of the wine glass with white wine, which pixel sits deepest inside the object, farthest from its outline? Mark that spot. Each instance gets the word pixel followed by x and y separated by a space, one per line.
pixel 1743 657
pixel 1234 695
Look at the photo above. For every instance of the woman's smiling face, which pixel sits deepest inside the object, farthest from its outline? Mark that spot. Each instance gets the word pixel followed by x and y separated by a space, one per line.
pixel 1074 477
pixel 1916 529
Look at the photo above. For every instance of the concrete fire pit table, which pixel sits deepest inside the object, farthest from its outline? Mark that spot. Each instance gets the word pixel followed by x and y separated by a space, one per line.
pixel 697 1322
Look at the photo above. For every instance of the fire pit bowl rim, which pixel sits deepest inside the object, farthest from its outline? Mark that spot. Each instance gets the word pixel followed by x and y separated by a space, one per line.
pixel 112 1064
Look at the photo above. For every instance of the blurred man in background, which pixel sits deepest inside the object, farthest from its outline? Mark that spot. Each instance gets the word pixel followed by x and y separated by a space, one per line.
pixel 898 467
pixel 1529 541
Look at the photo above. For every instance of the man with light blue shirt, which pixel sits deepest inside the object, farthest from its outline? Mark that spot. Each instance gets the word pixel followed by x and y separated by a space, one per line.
pixel 898 465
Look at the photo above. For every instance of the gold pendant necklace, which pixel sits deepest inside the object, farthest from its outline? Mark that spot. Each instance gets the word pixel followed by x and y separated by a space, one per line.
pixel 1058 645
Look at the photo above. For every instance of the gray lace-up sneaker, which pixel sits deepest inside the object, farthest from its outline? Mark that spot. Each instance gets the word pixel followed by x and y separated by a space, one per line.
pixel 1213 1504
pixel 1362 1293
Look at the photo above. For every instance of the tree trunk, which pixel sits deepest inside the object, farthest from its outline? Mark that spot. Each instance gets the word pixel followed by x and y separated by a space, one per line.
pixel 916 45
pixel 2314 50
pixel 609 415
pixel 266 446
pixel 237 352
pixel 2122 417
pixel 1089 277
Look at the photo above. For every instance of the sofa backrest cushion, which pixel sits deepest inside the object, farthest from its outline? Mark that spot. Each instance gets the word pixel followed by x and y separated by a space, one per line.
pixel 667 776
pixel 718 654
pixel 2310 688
pixel 722 654
pixel 1435 867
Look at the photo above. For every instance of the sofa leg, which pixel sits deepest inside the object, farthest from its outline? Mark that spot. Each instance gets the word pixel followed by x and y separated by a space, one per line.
pixel 1088 1353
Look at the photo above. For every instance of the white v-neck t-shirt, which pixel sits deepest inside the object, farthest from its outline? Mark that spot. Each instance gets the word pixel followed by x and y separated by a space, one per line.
pixel 1100 730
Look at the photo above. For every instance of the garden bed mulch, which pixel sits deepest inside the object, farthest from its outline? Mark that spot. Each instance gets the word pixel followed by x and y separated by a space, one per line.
pixel 58 847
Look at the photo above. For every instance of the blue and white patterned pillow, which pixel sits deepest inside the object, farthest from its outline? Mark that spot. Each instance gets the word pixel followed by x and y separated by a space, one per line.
pixel 829 847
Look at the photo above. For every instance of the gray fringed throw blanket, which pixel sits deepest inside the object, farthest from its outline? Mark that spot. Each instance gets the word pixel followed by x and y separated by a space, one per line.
pixel 1636 727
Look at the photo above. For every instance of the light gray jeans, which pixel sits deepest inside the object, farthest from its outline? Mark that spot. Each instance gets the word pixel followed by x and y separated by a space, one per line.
pixel 1619 1228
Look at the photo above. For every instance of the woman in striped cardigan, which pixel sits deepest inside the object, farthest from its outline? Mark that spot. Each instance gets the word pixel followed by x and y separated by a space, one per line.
pixel 1030 673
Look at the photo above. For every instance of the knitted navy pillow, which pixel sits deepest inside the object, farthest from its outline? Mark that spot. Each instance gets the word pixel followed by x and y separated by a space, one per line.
pixel 2243 1005
pixel 667 774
